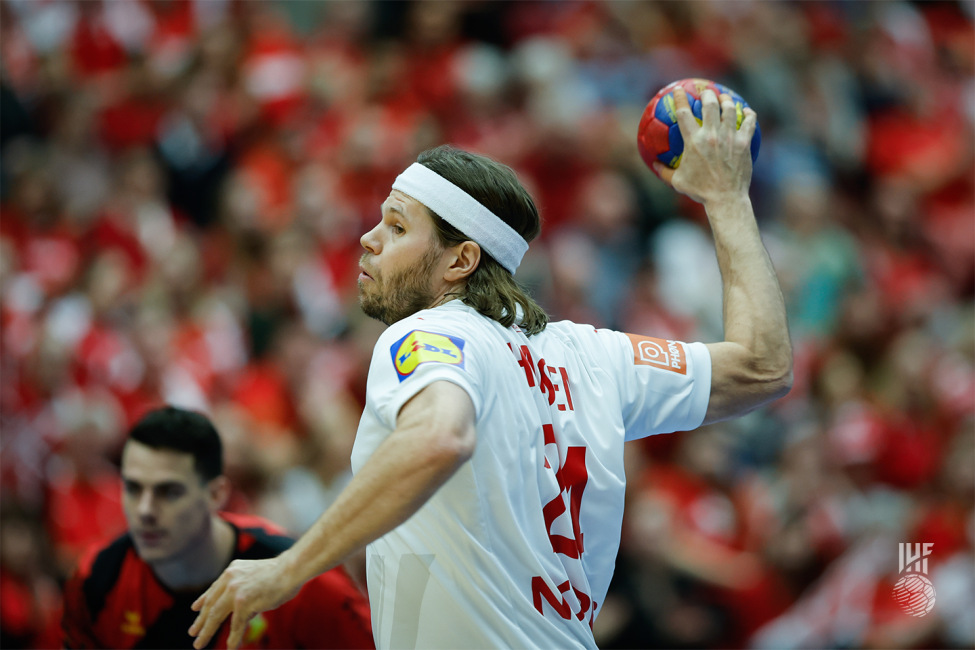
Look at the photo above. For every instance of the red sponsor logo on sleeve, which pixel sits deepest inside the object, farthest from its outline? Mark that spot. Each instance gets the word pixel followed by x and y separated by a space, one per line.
pixel 658 353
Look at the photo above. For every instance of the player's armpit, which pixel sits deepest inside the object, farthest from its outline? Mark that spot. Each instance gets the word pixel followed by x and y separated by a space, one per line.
pixel 742 381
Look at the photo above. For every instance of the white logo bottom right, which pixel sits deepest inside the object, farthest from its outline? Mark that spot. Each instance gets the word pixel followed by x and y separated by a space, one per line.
pixel 914 591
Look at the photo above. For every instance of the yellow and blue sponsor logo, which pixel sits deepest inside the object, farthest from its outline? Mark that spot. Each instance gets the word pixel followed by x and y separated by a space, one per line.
pixel 425 347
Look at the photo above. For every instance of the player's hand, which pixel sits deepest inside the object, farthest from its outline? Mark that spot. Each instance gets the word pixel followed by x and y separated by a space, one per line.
pixel 245 589
pixel 717 161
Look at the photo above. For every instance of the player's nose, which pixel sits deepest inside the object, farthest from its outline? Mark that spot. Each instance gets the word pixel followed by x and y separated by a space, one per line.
pixel 370 241
pixel 145 508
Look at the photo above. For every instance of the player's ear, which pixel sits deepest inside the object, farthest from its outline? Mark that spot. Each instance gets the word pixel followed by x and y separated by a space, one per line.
pixel 218 490
pixel 467 257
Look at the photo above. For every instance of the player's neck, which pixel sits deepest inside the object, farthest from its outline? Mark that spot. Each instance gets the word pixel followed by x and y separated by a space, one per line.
pixel 446 294
pixel 204 560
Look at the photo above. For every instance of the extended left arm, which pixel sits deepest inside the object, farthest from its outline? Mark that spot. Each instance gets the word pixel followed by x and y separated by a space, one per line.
pixel 434 436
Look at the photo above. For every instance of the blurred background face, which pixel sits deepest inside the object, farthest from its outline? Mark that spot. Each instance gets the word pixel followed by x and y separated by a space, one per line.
pixel 167 503
pixel 19 545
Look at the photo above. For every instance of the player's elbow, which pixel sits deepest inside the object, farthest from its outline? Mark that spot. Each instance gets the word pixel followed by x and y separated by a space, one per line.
pixel 775 374
pixel 782 385
pixel 742 381
pixel 461 445
pixel 785 367
pixel 452 446
pixel 767 372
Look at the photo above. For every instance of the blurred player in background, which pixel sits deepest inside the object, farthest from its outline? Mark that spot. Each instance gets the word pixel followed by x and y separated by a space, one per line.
pixel 137 591
pixel 488 463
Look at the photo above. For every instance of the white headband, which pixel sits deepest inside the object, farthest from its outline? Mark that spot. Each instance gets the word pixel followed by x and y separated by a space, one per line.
pixel 462 211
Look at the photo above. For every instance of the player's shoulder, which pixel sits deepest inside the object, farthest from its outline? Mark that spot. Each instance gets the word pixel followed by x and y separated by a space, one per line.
pixel 433 335
pixel 452 319
pixel 568 328
pixel 102 568
pixel 97 560
pixel 257 538
pixel 583 338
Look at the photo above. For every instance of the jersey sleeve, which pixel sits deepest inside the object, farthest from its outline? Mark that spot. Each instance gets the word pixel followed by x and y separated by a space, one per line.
pixel 411 355
pixel 664 385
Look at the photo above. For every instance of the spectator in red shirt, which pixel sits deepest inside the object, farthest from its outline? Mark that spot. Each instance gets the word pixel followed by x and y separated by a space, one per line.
pixel 137 591
pixel 30 601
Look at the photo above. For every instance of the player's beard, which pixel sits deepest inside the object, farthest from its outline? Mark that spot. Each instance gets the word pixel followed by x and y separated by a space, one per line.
pixel 403 293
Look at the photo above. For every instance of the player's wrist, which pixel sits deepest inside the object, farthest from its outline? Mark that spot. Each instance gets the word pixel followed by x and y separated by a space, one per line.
pixel 726 201
pixel 289 570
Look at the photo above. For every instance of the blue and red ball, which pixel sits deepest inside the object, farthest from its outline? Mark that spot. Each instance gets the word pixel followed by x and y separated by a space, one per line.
pixel 659 136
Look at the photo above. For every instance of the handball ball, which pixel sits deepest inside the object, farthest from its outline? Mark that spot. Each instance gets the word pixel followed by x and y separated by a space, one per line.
pixel 659 136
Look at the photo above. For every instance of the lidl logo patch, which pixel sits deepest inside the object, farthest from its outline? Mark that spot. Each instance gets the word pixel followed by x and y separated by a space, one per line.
pixel 425 347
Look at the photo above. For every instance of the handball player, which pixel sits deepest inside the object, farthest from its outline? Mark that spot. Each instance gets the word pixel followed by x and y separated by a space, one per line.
pixel 137 591
pixel 488 462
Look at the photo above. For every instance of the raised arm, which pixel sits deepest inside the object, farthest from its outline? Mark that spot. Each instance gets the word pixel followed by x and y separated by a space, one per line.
pixel 434 436
pixel 753 365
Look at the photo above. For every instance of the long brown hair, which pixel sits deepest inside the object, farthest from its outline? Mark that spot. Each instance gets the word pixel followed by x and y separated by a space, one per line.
pixel 491 289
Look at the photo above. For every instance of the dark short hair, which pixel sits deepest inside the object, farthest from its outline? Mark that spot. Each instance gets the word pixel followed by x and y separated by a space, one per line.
pixel 491 289
pixel 185 431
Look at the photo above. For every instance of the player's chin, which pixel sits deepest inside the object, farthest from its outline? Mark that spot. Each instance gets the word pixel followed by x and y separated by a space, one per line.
pixel 153 552
pixel 365 296
pixel 366 287
pixel 153 547
pixel 370 305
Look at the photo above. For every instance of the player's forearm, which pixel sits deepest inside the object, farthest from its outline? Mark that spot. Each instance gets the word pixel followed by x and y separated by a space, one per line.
pixel 754 310
pixel 403 473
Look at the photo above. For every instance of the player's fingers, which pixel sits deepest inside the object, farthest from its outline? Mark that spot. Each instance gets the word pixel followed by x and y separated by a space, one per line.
pixel 729 116
pixel 685 118
pixel 212 622
pixel 238 624
pixel 710 110
pixel 210 594
pixel 748 125
pixel 204 604
pixel 665 173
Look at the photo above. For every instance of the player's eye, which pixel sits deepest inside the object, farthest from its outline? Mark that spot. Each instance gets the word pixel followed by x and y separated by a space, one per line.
pixel 170 492
pixel 132 489
pixel 398 229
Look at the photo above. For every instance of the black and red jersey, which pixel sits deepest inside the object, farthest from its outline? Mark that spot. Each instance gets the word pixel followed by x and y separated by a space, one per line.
pixel 116 601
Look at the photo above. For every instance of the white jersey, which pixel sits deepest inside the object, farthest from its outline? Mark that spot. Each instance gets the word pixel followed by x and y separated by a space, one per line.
pixel 517 549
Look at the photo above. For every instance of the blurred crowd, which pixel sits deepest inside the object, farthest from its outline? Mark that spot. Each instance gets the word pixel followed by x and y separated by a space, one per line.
pixel 184 185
